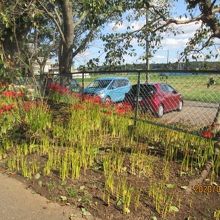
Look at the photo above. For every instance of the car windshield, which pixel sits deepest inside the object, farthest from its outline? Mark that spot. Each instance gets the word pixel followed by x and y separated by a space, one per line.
pixel 145 90
pixel 100 84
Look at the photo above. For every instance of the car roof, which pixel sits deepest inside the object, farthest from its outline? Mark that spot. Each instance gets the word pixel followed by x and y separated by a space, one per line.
pixel 111 78
pixel 152 84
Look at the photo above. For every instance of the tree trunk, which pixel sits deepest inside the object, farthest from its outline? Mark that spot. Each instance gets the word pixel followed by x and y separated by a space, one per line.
pixel 66 50
pixel 203 176
pixel 216 121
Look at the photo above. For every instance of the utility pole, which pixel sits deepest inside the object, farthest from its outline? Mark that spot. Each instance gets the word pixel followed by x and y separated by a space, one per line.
pixel 147 48
pixel 167 57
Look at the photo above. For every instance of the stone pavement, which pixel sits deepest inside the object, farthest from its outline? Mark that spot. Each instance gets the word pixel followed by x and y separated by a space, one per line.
pixel 19 203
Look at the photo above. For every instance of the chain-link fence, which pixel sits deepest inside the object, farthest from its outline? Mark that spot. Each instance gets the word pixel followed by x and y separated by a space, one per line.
pixel 186 100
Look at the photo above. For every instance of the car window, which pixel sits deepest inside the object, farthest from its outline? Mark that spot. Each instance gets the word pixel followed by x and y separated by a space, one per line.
pixel 164 88
pixel 74 83
pixel 124 82
pixel 167 88
pixel 121 83
pixel 114 84
pixel 99 84
pixel 170 89
pixel 145 90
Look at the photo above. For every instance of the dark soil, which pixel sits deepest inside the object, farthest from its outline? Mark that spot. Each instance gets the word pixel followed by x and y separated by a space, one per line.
pixel 87 192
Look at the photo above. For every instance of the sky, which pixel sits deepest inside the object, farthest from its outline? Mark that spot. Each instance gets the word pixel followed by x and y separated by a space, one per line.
pixel 171 48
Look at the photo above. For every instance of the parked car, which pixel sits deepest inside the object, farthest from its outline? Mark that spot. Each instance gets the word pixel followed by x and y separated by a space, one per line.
pixel 74 86
pixel 69 83
pixel 109 89
pixel 156 97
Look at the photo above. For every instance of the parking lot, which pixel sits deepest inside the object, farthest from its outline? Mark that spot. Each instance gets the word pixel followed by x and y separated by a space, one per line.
pixel 194 115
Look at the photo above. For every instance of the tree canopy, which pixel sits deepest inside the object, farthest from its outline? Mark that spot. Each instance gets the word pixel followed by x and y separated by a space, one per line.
pixel 35 29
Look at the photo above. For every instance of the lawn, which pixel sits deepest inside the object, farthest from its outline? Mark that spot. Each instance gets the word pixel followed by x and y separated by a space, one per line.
pixel 88 154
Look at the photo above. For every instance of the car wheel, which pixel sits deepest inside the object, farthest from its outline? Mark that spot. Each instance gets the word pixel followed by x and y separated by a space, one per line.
pixel 108 100
pixel 160 111
pixel 180 106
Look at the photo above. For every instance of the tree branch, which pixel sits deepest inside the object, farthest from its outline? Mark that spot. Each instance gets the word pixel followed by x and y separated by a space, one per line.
pixel 81 18
pixel 58 16
pixel 55 21
pixel 216 10
pixel 84 42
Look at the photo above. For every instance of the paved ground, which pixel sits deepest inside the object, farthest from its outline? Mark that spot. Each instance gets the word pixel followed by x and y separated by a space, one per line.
pixel 196 114
pixel 18 203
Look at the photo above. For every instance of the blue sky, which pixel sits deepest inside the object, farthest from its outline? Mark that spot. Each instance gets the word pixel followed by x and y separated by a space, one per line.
pixel 171 48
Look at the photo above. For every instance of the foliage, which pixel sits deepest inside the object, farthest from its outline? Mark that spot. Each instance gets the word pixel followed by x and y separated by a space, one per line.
pixel 142 25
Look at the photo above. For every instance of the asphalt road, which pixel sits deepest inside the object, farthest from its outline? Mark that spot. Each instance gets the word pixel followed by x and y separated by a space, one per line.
pixel 18 203
pixel 195 114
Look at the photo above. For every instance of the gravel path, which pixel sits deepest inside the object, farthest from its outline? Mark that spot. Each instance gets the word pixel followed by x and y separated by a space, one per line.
pixel 18 203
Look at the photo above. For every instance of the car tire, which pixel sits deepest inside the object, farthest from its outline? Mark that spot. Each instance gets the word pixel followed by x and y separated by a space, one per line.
pixel 180 106
pixel 108 100
pixel 160 111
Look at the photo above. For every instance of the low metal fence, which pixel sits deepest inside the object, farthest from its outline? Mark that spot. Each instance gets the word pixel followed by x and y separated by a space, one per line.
pixel 182 100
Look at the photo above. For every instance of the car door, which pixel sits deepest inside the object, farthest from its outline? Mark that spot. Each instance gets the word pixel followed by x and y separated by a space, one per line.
pixel 113 92
pixel 124 87
pixel 166 97
pixel 74 86
pixel 174 97
pixel 118 89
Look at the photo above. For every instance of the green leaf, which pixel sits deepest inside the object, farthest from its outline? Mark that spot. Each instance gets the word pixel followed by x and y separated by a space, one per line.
pixel 85 212
pixel 184 187
pixel 173 209
pixel 119 203
pixel 170 186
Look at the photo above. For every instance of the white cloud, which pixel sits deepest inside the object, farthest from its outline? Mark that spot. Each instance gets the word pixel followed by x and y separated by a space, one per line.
pixel 84 54
pixel 159 57
pixel 179 40
pixel 173 43
pixel 132 59
pixel 134 42
pixel 117 26
pixel 136 25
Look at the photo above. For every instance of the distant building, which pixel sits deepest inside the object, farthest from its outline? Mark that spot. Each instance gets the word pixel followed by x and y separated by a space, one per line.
pixel 36 67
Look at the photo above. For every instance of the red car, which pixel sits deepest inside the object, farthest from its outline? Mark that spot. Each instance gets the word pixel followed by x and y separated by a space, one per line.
pixel 156 97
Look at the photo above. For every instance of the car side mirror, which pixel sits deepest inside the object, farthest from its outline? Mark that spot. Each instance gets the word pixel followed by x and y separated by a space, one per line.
pixel 174 92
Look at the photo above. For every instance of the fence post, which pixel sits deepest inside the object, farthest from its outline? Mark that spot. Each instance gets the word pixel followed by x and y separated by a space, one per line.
pixel 137 99
pixel 83 84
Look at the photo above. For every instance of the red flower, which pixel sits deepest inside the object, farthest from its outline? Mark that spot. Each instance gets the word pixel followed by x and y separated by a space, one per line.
pixel 107 112
pixel 207 134
pixel 7 108
pixel 78 107
pixel 56 87
pixel 20 94
pixel 8 93
pixel 12 94
pixel 127 106
pixel 28 105
pixel 92 99
pixel 123 108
